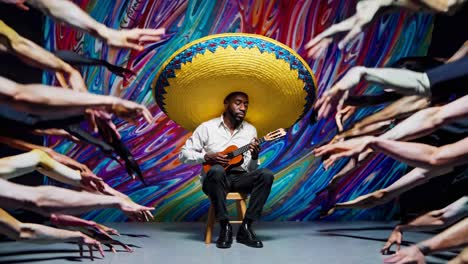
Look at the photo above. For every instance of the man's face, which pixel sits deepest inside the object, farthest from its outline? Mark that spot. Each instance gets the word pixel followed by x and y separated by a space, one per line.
pixel 237 107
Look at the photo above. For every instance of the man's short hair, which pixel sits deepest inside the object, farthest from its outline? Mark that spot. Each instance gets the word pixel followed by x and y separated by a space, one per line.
pixel 233 94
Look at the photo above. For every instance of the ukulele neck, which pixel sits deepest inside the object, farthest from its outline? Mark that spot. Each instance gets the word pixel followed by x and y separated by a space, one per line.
pixel 243 149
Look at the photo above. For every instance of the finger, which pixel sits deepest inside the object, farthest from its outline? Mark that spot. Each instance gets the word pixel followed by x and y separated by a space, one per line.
pixel 91 252
pixel 133 46
pixel 149 214
pixel 149 38
pixel 323 107
pixel 321 100
pixel 61 80
pixel 385 248
pixel 22 6
pixel 150 31
pixel 313 42
pixel 93 123
pixel 145 216
pixel 127 248
pixel 147 115
pixel 314 52
pixel 347 115
pixel 99 247
pixel 111 248
pixel 327 110
pixel 350 36
pixel 338 122
pixel 392 259
pixel 340 105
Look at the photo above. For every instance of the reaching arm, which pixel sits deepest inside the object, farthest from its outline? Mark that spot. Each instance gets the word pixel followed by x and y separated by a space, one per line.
pixel 367 11
pixel 453 237
pixel 442 6
pixel 35 233
pixel 422 155
pixel 32 98
pixel 399 80
pixel 420 124
pixel 68 12
pixel 401 108
pixel 13 166
pixel 428 120
pixel 407 182
pixel 461 52
pixel 36 56
pixel 436 219
pixel 46 200
pixel 17 230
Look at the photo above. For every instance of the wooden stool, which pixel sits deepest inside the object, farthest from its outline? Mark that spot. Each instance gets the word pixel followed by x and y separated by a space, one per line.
pixel 241 208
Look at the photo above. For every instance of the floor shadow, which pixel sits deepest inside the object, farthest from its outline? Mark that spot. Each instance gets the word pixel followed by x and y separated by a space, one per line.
pixel 404 243
pixel 135 235
pixel 34 260
pixel 373 228
pixel 192 232
pixel 196 233
pixel 39 251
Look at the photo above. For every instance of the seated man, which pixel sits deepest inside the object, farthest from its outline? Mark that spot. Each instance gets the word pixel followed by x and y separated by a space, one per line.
pixel 212 137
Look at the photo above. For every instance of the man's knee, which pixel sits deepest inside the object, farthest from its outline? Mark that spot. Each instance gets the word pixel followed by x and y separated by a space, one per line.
pixel 267 176
pixel 216 173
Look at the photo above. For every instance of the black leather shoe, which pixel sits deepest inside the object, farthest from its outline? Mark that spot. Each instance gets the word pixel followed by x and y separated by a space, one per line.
pixel 225 236
pixel 246 236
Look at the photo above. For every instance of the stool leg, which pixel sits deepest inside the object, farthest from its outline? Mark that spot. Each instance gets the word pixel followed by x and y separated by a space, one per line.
pixel 209 225
pixel 240 214
pixel 243 207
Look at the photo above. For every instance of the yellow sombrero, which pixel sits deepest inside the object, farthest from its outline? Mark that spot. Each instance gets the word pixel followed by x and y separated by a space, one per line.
pixel 192 84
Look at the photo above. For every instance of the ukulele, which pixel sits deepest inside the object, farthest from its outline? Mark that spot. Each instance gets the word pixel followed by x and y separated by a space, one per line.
pixel 234 154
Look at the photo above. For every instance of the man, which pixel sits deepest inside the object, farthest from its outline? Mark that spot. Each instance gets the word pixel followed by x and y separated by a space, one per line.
pixel 212 137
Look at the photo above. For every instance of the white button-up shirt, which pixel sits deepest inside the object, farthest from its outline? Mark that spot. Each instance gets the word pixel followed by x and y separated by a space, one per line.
pixel 214 136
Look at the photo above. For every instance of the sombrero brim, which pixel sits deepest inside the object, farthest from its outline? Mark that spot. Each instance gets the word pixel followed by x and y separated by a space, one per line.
pixel 192 84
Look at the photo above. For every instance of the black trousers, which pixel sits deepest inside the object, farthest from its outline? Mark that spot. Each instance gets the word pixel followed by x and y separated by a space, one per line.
pixel 218 183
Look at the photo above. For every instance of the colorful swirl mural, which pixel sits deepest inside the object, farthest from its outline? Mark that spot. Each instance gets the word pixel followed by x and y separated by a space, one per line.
pixel 174 188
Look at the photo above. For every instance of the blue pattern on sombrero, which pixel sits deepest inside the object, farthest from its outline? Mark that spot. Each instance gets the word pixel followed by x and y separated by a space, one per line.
pixel 235 40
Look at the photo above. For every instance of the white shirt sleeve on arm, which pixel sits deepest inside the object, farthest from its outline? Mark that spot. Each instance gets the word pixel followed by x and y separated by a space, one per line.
pixel 193 152
pixel 400 80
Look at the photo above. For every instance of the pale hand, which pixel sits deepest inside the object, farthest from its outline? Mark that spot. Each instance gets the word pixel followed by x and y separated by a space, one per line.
pixel 335 97
pixel 132 38
pixel 406 256
pixel 130 111
pixel 394 238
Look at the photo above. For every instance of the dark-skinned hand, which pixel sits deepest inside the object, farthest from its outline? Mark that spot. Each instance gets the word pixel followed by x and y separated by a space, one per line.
pixel 216 158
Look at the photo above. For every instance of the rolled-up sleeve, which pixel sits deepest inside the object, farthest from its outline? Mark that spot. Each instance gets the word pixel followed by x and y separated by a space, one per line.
pixel 192 152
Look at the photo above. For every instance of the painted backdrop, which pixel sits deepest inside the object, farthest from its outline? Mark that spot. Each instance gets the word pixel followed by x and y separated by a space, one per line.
pixel 174 188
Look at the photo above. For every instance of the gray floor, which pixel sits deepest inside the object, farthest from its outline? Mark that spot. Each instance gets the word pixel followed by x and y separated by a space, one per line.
pixel 285 242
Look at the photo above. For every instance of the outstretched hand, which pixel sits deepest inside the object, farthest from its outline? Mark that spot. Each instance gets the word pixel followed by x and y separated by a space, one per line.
pixel 366 12
pixel 394 239
pixel 132 38
pixel 19 3
pixel 406 256
pixel 347 148
pixel 130 111
pixel 135 211
pixel 335 97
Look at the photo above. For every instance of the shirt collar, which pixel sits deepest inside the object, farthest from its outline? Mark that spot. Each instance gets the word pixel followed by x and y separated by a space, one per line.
pixel 221 123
